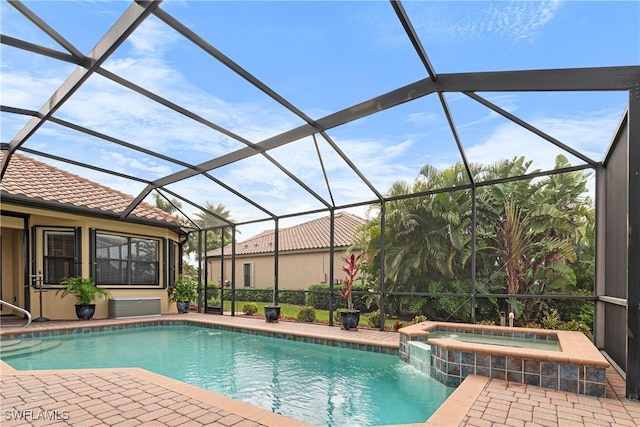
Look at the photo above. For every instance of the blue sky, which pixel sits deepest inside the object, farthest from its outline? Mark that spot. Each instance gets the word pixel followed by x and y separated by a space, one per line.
pixel 322 57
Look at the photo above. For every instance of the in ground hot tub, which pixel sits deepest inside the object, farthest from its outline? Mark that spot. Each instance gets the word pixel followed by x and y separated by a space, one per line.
pixel 562 360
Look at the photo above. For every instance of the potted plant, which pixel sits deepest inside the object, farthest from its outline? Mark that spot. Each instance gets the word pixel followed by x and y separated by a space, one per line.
pixel 350 317
pixel 213 294
pixel 183 291
pixel 272 313
pixel 85 291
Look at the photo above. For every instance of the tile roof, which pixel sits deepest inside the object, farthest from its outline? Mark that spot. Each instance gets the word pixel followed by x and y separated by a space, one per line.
pixel 35 181
pixel 306 236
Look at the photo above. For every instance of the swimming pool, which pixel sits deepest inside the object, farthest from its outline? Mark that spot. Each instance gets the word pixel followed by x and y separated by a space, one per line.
pixel 316 384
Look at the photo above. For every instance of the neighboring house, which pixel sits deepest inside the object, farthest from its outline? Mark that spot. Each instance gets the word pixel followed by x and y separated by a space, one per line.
pixel 303 255
pixel 60 225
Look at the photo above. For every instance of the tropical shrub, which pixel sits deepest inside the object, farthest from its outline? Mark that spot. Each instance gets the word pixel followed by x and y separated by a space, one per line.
pixel 213 291
pixel 83 288
pixel 373 319
pixel 306 314
pixel 352 270
pixel 184 289
pixel 419 319
pixel 534 236
pixel 574 325
pixel 574 308
pixel 250 308
pixel 587 311
pixel 551 320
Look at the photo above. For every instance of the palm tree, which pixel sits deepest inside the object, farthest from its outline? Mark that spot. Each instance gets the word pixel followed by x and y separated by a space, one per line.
pixel 163 204
pixel 526 232
pixel 215 238
pixel 425 236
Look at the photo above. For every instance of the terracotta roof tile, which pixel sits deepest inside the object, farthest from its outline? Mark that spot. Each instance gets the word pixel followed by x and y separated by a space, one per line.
pixel 306 236
pixel 39 181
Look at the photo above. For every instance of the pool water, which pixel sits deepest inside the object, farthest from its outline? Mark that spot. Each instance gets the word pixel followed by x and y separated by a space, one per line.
pixel 316 384
pixel 539 344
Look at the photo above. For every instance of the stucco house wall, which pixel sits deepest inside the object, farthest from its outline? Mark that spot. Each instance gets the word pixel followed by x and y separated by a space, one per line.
pixel 80 207
pixel 296 270
pixel 303 255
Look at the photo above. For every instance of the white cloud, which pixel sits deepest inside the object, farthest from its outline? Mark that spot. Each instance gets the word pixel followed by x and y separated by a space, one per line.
pixel 107 107
pixel 450 23
pixel 28 90
pixel 124 164
pixel 424 118
pixel 520 21
pixel 152 38
pixel 589 134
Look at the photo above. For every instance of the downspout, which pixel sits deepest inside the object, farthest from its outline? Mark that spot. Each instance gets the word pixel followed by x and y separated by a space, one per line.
pixel 383 212
pixel 473 252
pixel 200 269
pixel 275 262
pixel 332 231
pixel 233 273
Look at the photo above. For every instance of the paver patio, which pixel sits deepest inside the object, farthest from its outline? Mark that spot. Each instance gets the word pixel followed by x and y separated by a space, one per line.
pixel 133 396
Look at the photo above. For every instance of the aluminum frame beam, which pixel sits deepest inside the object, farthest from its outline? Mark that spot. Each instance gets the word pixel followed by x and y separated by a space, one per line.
pixel 37 21
pixel 413 36
pixel 135 14
pixel 530 128
pixel 570 79
pixel 633 247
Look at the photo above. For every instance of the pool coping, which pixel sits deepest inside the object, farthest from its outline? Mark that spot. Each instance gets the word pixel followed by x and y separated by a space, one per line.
pixel 351 339
pixel 459 406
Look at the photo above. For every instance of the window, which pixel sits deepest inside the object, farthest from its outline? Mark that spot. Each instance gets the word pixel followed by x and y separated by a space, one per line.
pixel 122 260
pixel 59 256
pixel 247 271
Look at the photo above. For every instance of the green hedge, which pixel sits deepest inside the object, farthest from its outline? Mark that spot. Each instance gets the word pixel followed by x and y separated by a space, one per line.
pixel 292 297
pixel 320 300
pixel 250 294
pixel 266 295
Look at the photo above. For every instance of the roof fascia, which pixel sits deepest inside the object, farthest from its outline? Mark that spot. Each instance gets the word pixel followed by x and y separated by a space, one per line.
pixel 94 213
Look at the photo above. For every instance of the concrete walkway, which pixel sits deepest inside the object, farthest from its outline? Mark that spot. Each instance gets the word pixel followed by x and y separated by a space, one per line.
pixel 133 396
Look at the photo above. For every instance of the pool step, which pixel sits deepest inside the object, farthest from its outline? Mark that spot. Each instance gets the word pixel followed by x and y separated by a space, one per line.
pixel 10 348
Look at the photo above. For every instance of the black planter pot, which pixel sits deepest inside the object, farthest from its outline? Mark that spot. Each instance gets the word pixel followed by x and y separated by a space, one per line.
pixel 85 311
pixel 272 313
pixel 183 307
pixel 350 319
pixel 215 310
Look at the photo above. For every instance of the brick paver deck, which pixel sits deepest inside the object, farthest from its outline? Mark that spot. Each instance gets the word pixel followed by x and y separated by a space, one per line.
pixel 133 396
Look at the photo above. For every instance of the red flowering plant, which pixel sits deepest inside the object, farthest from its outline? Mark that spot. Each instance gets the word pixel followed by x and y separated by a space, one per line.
pixel 352 269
